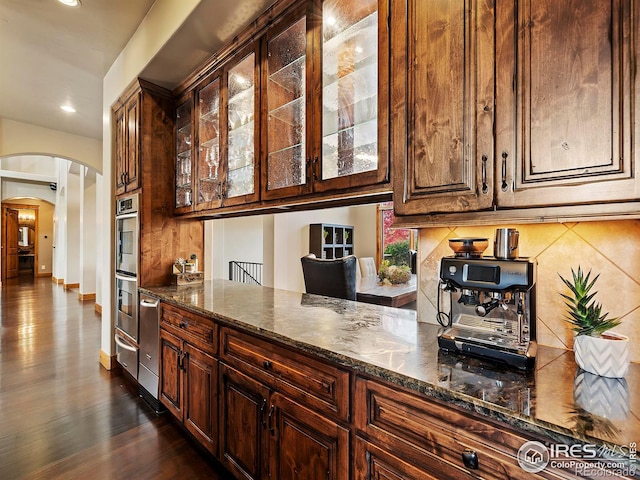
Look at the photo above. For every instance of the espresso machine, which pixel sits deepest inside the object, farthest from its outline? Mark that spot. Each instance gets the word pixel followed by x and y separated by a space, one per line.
pixel 492 301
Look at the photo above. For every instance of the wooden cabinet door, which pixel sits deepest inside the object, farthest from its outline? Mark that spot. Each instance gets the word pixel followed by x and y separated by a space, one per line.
pixel 201 396
pixel 241 136
pixel 243 424
pixel 374 463
pixel 305 444
pixel 184 171
pixel 287 53
pixel 350 94
pixel 133 119
pixel 171 394
pixel 119 149
pixel 442 105
pixel 565 93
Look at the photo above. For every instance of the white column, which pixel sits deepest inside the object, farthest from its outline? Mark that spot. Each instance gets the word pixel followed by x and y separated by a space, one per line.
pixel 73 245
pixel 88 232
pixel 100 238
pixel 60 222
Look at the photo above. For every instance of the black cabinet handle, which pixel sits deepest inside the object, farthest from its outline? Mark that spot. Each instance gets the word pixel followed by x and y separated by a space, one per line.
pixel 315 169
pixel 267 364
pixel 184 324
pixel 263 409
pixel 485 187
pixel 504 185
pixel 470 459
pixel 271 412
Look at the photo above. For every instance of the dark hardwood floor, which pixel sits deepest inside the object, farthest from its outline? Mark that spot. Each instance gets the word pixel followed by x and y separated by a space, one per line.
pixel 64 416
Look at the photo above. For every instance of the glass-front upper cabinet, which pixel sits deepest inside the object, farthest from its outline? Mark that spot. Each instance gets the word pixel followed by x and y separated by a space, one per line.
pixel 184 155
pixel 336 136
pixel 210 174
pixel 286 169
pixel 227 134
pixel 242 134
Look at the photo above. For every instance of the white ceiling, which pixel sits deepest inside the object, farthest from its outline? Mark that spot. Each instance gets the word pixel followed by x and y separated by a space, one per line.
pixel 51 54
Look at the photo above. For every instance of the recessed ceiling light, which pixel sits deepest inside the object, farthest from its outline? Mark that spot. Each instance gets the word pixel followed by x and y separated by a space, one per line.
pixel 70 3
pixel 68 108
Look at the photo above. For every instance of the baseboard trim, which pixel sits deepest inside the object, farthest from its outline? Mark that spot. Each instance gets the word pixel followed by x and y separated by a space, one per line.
pixel 98 308
pixel 57 280
pixel 107 361
pixel 69 286
pixel 83 297
pixel 43 275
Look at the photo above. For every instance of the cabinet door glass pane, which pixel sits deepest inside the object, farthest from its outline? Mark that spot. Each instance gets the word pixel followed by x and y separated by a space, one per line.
pixel 241 128
pixel 209 142
pixel 286 107
pixel 349 87
pixel 183 155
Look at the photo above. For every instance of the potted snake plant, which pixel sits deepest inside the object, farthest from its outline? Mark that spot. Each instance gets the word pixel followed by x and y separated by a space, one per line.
pixel 597 349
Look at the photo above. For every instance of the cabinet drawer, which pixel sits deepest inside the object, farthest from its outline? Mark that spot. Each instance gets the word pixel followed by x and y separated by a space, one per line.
pixel 191 327
pixel 432 435
pixel 312 382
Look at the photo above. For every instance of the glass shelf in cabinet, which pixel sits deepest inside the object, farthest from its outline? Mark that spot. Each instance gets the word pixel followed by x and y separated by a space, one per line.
pixel 241 123
pixel 243 98
pixel 363 134
pixel 364 32
pixel 363 112
pixel 212 116
pixel 240 181
pixel 365 158
pixel 214 142
pixel 290 147
pixel 185 130
pixel 363 82
pixel 291 77
pixel 291 113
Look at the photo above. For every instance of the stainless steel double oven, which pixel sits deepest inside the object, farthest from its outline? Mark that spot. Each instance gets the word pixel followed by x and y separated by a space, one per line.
pixel 127 230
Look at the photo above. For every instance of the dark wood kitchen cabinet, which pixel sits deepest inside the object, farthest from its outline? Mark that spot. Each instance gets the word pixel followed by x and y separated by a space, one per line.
pixel 217 125
pixel 442 105
pixel 265 434
pixel 126 148
pixel 559 131
pixel 142 120
pixel 189 375
pixel 143 145
pixel 279 412
pixel 325 101
pixel 402 435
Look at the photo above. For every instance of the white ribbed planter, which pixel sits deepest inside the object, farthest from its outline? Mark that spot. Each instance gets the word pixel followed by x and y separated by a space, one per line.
pixel 607 356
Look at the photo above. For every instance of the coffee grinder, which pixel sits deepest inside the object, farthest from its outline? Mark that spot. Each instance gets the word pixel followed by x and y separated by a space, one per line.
pixel 492 301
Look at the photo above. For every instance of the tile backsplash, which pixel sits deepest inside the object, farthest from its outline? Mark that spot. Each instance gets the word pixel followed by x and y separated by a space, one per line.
pixel 611 249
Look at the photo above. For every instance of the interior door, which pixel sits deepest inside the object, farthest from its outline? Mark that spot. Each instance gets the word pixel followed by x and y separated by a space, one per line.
pixel 10 243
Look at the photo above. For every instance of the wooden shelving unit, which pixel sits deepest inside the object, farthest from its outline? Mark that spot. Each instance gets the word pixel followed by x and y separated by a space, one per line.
pixel 330 241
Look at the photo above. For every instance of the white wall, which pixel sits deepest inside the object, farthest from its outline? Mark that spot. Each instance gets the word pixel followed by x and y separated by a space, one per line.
pixel 18 138
pixel 15 189
pixel 162 21
pixel 280 240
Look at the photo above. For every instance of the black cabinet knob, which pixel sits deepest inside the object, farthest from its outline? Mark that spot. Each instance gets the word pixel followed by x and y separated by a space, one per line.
pixel 470 459
pixel 266 364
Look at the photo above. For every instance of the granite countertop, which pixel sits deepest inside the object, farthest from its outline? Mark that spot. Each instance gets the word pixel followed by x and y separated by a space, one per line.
pixel 555 399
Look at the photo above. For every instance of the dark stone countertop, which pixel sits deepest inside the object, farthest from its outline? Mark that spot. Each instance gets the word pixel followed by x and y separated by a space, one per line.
pixel 555 400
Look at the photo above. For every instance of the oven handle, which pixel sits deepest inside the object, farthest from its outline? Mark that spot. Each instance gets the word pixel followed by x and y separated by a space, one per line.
pixel 125 278
pixel 126 216
pixel 121 343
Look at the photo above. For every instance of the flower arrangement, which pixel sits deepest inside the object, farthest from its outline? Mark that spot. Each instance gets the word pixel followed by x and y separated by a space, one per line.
pixel 393 274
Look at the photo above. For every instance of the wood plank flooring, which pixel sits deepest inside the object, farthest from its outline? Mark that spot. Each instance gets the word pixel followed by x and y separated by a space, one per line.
pixel 64 416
